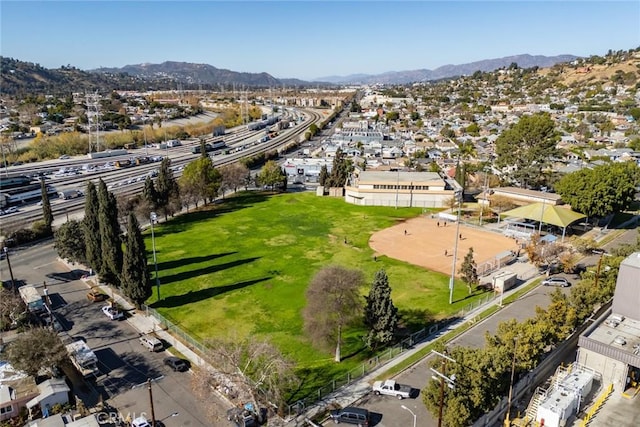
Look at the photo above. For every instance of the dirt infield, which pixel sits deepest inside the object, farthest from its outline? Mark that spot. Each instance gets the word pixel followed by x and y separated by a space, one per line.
pixel 422 242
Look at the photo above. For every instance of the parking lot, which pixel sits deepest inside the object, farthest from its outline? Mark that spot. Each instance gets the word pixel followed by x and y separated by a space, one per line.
pixel 125 365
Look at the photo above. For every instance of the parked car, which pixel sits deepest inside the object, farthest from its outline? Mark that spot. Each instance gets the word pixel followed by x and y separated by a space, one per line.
pixel 10 210
pixel 556 281
pixel 351 415
pixel 112 312
pixel 140 422
pixel 177 364
pixel 392 388
pixel 151 343
pixel 97 296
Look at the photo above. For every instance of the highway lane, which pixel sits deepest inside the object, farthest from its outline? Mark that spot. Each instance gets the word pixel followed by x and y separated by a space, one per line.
pixel 131 180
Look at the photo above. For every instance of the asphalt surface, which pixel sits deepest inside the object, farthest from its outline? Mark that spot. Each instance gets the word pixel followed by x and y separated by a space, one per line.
pixel 124 363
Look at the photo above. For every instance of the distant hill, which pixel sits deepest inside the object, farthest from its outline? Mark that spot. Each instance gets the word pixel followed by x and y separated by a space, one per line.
pixel 195 74
pixel 20 78
pixel 403 77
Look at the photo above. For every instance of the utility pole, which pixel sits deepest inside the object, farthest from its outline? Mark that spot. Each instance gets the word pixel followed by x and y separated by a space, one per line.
pixel 13 281
pixel 507 422
pixel 153 415
pixel 444 373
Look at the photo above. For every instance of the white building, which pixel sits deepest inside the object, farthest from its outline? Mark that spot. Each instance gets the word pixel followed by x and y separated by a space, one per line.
pixel 401 189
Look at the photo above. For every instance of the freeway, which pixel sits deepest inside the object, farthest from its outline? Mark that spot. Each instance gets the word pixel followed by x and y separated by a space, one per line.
pixel 130 181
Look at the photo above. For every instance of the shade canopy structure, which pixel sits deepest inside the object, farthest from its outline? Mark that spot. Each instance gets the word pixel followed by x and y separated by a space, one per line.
pixel 546 213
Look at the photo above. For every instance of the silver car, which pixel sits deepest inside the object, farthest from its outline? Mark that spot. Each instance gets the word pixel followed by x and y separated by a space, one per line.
pixel 556 281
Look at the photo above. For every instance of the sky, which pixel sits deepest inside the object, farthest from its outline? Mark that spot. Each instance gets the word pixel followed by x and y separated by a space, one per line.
pixel 309 39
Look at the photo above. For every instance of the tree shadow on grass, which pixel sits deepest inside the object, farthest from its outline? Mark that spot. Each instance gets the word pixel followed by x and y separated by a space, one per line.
pixel 184 275
pixel 311 379
pixel 195 296
pixel 185 221
pixel 412 320
pixel 168 265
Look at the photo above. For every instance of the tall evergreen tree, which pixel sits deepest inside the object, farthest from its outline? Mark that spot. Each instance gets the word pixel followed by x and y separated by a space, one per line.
pixel 149 193
pixel 47 213
pixel 91 228
pixel 324 174
pixel 468 271
pixel 135 277
pixel 380 314
pixel 166 188
pixel 110 235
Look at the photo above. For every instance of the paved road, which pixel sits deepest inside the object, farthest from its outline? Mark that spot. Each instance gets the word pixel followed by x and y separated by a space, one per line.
pixel 125 366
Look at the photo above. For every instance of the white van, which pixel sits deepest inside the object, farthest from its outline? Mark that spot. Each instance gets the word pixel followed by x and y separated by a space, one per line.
pixel 151 343
pixel 173 143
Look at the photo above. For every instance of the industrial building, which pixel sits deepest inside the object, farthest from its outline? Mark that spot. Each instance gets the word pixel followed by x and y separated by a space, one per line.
pixel 611 346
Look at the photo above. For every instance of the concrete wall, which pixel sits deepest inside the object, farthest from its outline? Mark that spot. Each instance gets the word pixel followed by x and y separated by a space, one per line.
pixel 612 371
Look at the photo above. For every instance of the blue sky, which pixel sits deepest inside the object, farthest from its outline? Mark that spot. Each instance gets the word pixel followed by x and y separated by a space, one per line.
pixel 310 39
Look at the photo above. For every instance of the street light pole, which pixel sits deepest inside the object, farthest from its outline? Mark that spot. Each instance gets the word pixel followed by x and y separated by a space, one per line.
pixel 154 217
pixel 455 248
pixel 414 415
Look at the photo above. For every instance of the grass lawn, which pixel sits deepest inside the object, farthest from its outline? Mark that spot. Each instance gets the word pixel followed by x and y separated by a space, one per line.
pixel 242 268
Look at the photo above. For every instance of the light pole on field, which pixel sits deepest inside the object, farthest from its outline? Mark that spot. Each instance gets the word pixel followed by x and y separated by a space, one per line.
pixel 153 218
pixel 455 248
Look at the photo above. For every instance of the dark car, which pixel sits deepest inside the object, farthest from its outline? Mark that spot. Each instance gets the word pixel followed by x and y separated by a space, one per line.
pixel 351 415
pixel 177 364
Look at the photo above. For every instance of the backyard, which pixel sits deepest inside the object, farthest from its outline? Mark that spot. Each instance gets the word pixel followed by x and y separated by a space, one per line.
pixel 241 268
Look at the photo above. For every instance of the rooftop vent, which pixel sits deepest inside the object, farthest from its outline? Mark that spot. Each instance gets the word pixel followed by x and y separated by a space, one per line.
pixel 616 318
pixel 620 340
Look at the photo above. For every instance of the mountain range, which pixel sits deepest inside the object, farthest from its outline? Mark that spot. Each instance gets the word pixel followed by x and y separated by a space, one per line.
pixel 19 77
pixel 446 71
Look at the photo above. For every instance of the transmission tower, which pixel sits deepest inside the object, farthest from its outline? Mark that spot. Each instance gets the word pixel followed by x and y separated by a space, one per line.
pixel 93 118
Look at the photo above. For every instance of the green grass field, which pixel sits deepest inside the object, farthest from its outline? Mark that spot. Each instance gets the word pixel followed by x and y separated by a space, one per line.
pixel 242 268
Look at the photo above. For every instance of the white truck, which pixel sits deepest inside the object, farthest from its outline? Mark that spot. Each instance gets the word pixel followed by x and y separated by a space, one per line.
pixel 83 358
pixel 392 388
pixel 32 298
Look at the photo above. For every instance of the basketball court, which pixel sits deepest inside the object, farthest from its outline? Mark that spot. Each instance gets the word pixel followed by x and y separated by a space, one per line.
pixel 422 242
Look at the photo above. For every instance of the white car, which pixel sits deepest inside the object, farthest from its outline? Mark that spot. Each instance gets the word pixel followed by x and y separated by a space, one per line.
pixel 11 210
pixel 112 312
pixel 140 422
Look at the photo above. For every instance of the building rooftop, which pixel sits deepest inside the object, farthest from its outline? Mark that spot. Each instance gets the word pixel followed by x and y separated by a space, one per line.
pixel 619 332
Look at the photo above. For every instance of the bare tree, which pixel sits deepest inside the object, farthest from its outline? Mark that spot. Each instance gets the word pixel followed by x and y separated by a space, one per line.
pixel 333 302
pixel 233 176
pixel 249 370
